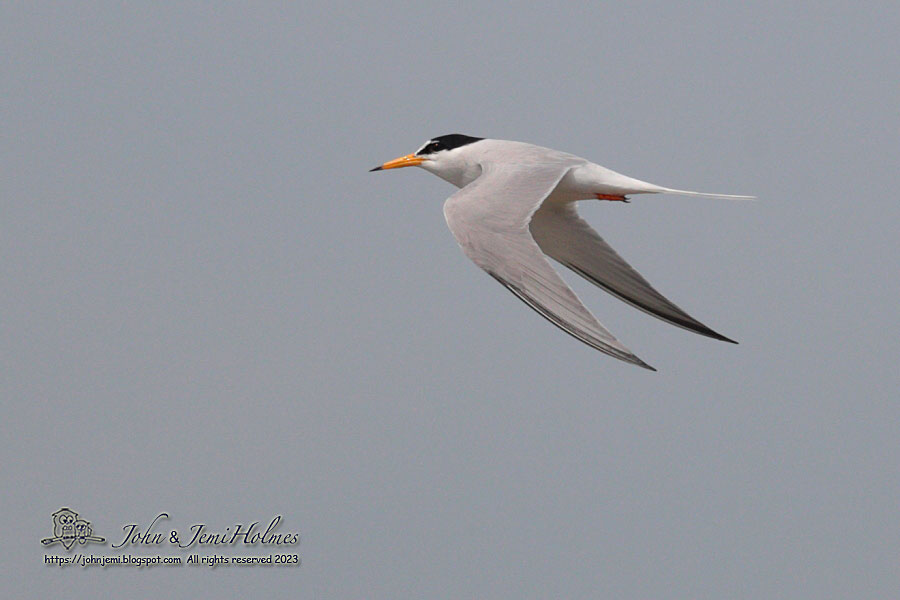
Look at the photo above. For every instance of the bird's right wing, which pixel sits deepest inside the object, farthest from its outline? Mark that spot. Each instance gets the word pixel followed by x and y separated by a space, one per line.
pixel 490 219
pixel 568 239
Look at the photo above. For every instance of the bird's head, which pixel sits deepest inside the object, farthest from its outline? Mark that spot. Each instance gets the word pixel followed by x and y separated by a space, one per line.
pixel 445 156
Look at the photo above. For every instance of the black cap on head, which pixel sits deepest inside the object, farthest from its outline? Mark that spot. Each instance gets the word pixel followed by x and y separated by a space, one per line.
pixel 446 142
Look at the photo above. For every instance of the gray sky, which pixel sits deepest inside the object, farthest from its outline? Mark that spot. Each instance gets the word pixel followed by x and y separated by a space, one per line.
pixel 210 308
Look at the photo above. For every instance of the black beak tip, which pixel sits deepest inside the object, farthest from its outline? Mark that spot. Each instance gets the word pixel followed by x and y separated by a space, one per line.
pixel 375 169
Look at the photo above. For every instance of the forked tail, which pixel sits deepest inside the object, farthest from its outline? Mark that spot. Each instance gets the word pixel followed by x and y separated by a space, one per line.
pixel 705 195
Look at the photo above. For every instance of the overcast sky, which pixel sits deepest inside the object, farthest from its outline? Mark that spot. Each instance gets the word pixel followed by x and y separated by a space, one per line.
pixel 210 308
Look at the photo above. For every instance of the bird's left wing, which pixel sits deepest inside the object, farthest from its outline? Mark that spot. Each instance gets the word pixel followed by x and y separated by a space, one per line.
pixel 490 219
pixel 568 239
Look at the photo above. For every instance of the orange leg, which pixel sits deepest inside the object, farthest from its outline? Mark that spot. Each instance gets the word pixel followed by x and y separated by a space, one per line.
pixel 611 197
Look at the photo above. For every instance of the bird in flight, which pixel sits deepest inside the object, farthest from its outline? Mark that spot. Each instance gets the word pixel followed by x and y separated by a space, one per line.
pixel 516 206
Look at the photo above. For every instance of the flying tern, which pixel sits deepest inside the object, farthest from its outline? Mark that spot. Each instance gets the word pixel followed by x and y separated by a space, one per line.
pixel 516 207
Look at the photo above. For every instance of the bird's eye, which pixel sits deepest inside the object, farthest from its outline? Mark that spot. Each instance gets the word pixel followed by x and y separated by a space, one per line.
pixel 430 148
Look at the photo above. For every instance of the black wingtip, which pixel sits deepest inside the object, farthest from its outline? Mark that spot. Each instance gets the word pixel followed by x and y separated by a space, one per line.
pixel 718 336
pixel 642 364
pixel 375 169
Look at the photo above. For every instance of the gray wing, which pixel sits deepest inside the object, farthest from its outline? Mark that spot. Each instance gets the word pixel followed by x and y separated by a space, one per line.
pixel 490 219
pixel 568 239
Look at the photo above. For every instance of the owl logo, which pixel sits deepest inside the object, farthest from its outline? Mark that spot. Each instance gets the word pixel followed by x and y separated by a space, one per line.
pixel 68 529
pixel 82 531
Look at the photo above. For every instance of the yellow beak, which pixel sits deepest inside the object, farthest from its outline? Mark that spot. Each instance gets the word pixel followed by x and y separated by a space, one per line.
pixel 410 160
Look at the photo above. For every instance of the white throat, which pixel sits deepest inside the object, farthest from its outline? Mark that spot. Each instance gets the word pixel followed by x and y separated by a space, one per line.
pixel 453 168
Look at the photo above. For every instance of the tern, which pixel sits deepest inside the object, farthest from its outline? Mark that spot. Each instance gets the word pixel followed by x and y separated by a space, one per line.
pixel 516 207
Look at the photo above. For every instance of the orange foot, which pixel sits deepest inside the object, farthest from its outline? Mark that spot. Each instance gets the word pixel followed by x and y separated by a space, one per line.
pixel 611 197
